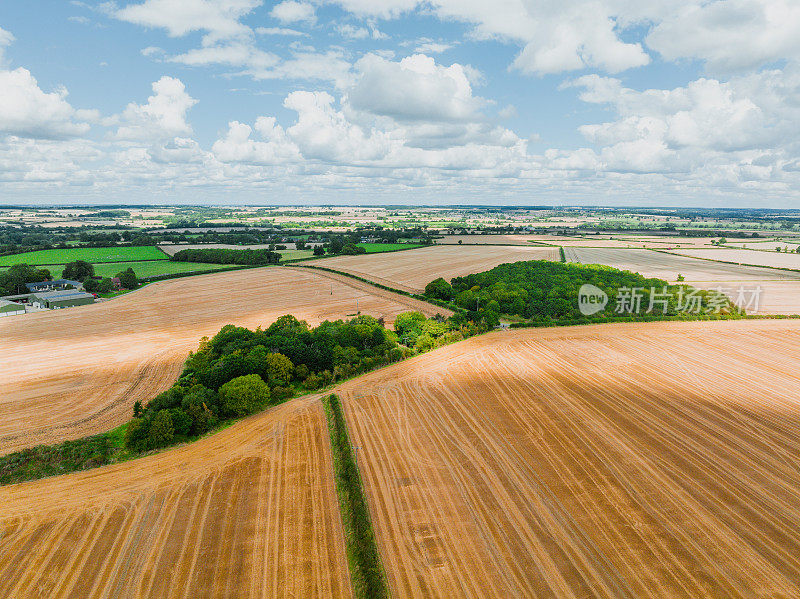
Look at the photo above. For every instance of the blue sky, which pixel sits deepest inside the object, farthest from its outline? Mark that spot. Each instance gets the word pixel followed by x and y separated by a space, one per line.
pixel 398 101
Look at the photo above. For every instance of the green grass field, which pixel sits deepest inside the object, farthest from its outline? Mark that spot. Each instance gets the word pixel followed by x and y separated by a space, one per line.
pixel 153 268
pixel 142 269
pixel 294 254
pixel 93 255
pixel 377 248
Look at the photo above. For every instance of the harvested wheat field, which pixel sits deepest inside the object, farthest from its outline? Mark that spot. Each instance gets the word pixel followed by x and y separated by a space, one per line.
pixel 778 291
pixel 411 270
pixel 71 373
pixel 635 460
pixel 754 257
pixel 249 512
pixel 494 239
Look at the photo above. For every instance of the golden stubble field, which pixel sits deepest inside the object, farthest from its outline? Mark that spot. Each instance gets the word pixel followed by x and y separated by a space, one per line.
pixel 599 241
pixel 250 512
pixel 647 460
pixel 75 372
pixel 778 291
pixel 411 270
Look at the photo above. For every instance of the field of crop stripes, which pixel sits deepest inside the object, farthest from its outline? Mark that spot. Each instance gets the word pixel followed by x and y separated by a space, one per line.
pixel 263 524
pixel 609 465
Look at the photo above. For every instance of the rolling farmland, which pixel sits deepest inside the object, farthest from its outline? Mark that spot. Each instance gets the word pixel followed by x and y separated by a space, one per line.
pixel 76 372
pixel 604 461
pixel 744 256
pixel 780 289
pixel 669 266
pixel 250 512
pixel 600 241
pixel 412 270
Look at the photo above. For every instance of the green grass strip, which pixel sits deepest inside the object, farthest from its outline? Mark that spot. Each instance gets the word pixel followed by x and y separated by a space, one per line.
pixel 366 572
pixel 71 456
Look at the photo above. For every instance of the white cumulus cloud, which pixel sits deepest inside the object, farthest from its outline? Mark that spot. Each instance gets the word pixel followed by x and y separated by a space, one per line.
pixel 162 117
pixel 290 11
pixel 28 111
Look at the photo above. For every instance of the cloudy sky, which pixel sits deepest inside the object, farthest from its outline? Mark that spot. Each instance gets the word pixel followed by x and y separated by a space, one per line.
pixel 612 102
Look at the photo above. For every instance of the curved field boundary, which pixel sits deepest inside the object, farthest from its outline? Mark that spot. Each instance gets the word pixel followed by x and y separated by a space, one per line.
pixel 75 373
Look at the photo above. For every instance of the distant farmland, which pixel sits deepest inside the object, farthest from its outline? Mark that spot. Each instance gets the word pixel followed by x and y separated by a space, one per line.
pixel 92 363
pixel 93 255
pixel 149 268
pixel 411 271
pixel 779 289
pixel 378 248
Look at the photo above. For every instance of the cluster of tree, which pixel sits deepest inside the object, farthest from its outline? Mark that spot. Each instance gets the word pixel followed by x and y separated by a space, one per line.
pixel 80 270
pixel 424 334
pixel 14 278
pixel 228 256
pixel 544 291
pixel 83 271
pixel 240 371
pixel 15 240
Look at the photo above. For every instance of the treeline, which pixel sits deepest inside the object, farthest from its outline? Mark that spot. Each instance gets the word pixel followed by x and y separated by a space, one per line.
pixel 366 571
pixel 240 371
pixel 548 292
pixel 15 240
pixel 228 256
pixel 14 278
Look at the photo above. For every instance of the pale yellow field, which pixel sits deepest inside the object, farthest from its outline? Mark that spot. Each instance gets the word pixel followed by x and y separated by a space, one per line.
pixel 746 256
pixel 600 241
pixel 648 460
pixel 778 291
pixel 75 372
pixel 250 512
pixel 411 270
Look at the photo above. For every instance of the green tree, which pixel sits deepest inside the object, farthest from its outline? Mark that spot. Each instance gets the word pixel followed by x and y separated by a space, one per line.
pixel 439 289
pixel 78 270
pixel 244 395
pixel 136 435
pixel 319 250
pixel 409 322
pixel 353 250
pixel 128 280
pixel 91 285
pixel 14 279
pixel 279 368
pixel 161 430
pixel 105 286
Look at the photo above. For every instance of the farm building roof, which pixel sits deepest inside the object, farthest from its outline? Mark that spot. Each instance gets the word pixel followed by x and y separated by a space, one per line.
pixel 62 295
pixel 7 303
pixel 51 284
